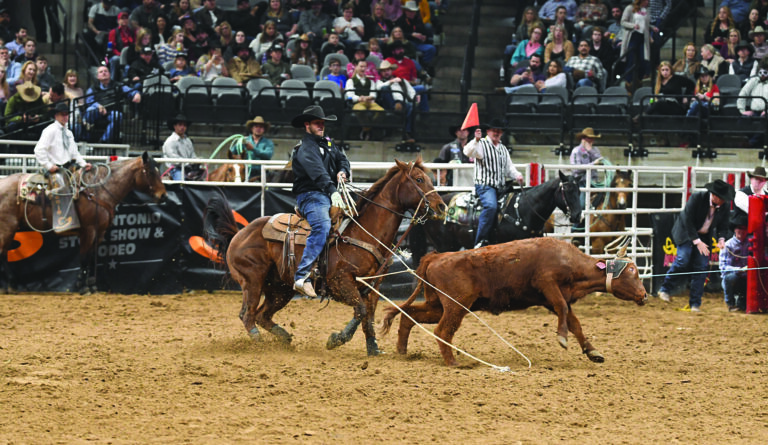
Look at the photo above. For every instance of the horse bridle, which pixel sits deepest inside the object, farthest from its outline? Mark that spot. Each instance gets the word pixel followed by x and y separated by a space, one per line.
pixel 522 194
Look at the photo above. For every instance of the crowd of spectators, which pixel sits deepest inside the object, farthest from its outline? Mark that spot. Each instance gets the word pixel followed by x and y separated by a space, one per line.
pixel 602 43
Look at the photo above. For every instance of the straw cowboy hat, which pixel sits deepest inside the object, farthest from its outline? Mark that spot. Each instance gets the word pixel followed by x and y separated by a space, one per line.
pixel 758 172
pixel 258 120
pixel 757 30
pixel 721 189
pixel 312 112
pixel 179 118
pixel 588 133
pixel 29 92
pixel 411 6
pixel 385 65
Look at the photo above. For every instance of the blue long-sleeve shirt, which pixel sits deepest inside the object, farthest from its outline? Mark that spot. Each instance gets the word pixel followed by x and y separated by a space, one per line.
pixel 734 256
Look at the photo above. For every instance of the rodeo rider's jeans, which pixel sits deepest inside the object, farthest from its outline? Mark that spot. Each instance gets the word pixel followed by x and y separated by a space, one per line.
pixel 735 288
pixel 487 196
pixel 315 207
pixel 688 259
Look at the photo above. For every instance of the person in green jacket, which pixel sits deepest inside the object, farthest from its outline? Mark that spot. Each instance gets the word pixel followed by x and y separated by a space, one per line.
pixel 256 146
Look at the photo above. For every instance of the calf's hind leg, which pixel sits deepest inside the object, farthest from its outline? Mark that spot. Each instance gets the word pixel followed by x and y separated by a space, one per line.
pixel 422 313
pixel 575 327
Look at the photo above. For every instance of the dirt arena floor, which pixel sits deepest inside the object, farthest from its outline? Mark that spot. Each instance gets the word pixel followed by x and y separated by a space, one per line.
pixel 180 369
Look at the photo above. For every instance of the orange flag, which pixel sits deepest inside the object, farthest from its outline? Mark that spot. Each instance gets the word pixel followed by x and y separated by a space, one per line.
pixel 472 119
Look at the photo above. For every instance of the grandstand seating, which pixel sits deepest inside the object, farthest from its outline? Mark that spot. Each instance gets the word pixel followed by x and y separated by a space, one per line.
pixel 305 73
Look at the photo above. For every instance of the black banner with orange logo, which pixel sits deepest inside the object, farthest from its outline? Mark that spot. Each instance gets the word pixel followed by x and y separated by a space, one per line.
pixel 149 248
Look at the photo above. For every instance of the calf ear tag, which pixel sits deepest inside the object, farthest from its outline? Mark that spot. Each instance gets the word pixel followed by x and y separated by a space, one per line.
pixel 600 265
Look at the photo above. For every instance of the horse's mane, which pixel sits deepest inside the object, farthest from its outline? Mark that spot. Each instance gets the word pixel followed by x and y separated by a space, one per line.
pixel 368 196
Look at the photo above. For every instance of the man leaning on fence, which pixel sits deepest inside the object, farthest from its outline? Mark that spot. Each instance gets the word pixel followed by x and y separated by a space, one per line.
pixel 103 103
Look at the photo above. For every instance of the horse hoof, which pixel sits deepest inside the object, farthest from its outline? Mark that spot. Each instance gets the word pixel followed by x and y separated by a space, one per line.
pixel 595 356
pixel 254 334
pixel 563 341
pixel 372 347
pixel 281 334
pixel 334 341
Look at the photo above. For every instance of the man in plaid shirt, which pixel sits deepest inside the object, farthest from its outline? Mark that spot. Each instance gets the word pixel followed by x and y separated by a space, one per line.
pixel 586 69
pixel 733 262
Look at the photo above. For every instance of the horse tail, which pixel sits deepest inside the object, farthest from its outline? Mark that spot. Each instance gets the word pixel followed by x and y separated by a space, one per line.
pixel 391 312
pixel 219 225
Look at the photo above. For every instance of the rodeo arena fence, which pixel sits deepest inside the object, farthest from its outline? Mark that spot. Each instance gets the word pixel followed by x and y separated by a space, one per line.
pixel 159 248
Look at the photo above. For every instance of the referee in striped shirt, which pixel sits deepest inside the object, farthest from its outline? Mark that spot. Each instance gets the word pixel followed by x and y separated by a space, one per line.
pixel 492 166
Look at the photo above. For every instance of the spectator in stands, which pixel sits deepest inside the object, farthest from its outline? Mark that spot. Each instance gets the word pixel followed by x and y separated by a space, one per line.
pixel 374 48
pixel 178 145
pixel 226 37
pixel 601 49
pixel 555 77
pixel 405 68
pixel 333 46
pixel 24 108
pixel 121 37
pixel 361 93
pixel 303 54
pixel 179 11
pixel 44 77
pixel 704 217
pixel 587 70
pixel 243 67
pixel 530 19
pixel 102 18
pixel 560 19
pixel 762 7
pixel 392 9
pixel 378 26
pixel 146 65
pixel 278 13
pixel 229 50
pixel 72 89
pixel 351 30
pixel 212 65
pixel 711 59
pixel 672 85
pixel 264 41
pixel 744 66
pixel 492 166
pixel 706 94
pixel 636 42
pixel 180 68
pixel 728 51
pixel 167 51
pixel 16 46
pixel 753 97
pixel 410 50
pixel 209 17
pixel 396 94
pixel 748 25
pixel 12 69
pixel 688 65
pixel 102 103
pixel 276 69
pixel 733 264
pixel 548 9
pixel 559 48
pixel 361 53
pixel 716 33
pixel 615 31
pixel 315 24
pixel 336 75
pixel 526 75
pixel 196 40
pixel 30 51
pixel 54 94
pixel 246 19
pixel 760 48
pixel 739 8
pixel 28 75
pixel 5 89
pixel 143 40
pixel 258 147
pixel 527 48
pixel 6 34
pixel 592 12
pixel 144 15
pixel 161 32
pixel 416 33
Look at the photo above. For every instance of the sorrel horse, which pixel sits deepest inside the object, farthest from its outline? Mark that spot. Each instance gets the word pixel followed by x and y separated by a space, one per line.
pixel 522 216
pixel 229 172
pixel 614 200
pixel 255 263
pixel 101 189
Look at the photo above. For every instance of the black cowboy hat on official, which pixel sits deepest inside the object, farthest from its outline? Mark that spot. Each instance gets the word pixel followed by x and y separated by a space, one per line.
pixel 703 70
pixel 588 132
pixel 258 120
pixel 738 219
pixel 61 107
pixel 721 189
pixel 743 44
pixel 495 123
pixel 758 172
pixel 311 113
pixel 179 118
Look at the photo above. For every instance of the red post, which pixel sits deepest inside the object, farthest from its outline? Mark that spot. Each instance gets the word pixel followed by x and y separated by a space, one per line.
pixel 757 298
pixel 536 172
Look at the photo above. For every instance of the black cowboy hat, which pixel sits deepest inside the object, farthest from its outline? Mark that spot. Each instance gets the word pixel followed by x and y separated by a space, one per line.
pixel 721 189
pixel 61 107
pixel 179 118
pixel 758 172
pixel 494 123
pixel 452 129
pixel 395 45
pixel 738 219
pixel 703 70
pixel 362 47
pixel 743 44
pixel 311 113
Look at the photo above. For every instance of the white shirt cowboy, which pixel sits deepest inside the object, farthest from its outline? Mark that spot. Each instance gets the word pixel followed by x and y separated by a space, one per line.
pixel 178 147
pixel 57 146
pixel 492 162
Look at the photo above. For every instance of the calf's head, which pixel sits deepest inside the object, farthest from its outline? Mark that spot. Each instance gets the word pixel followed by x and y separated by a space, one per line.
pixel 623 281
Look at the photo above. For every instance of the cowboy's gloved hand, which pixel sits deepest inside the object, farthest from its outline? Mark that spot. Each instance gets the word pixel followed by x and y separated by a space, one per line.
pixel 337 201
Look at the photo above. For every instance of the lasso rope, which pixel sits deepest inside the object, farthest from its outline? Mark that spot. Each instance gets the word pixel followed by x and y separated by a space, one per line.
pixel 236 140
pixel 412 272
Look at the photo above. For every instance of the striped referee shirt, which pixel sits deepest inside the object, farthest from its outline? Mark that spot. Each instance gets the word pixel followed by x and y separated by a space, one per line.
pixel 492 162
